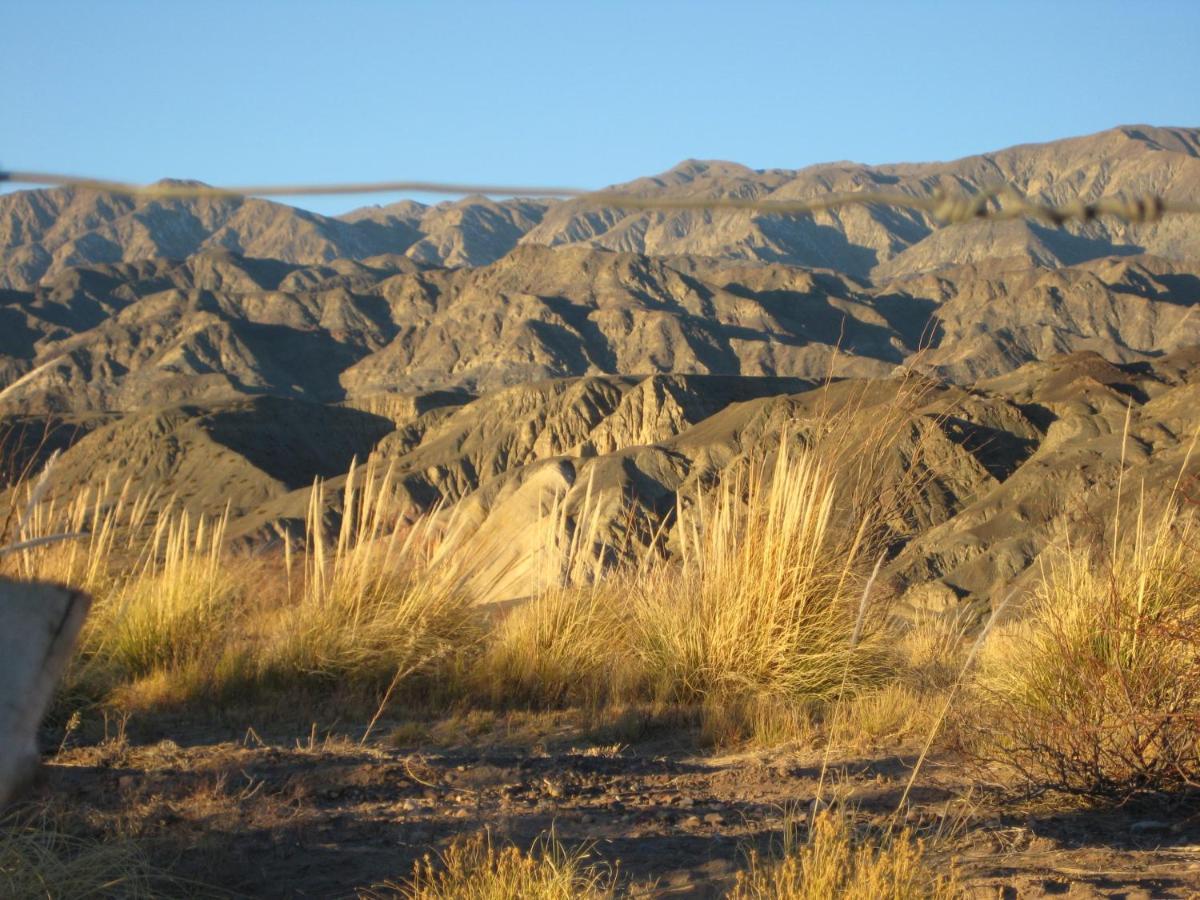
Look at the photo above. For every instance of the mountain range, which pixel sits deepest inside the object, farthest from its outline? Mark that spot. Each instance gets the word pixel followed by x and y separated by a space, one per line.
pixel 43 232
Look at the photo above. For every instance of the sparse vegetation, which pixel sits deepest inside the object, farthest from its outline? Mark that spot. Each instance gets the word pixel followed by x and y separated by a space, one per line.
pixel 762 625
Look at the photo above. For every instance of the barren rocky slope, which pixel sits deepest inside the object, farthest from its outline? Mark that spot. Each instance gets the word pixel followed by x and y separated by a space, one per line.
pixel 218 327
pixel 882 243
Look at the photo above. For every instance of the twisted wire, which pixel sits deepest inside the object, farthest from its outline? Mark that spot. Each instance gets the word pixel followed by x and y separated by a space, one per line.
pixel 1000 202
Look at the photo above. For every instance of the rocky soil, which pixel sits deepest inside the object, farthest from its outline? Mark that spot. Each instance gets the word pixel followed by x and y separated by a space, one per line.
pixel 324 815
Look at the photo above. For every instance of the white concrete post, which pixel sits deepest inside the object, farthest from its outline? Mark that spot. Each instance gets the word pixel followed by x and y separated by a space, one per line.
pixel 38 627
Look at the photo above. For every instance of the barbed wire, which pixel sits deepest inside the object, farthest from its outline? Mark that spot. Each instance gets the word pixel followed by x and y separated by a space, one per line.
pixel 999 202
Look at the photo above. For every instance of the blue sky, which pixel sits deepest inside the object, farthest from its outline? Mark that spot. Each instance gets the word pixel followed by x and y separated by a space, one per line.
pixel 568 93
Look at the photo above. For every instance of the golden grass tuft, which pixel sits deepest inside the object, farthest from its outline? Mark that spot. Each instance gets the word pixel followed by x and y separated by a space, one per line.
pixel 765 607
pixel 473 868
pixel 564 646
pixel 1097 690
pixel 381 601
pixel 175 609
pixel 834 862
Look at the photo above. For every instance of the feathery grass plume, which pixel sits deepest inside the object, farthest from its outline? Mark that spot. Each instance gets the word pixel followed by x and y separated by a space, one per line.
pixel 108 531
pixel 874 439
pixel 473 868
pixel 1097 690
pixel 37 859
pixel 764 607
pixel 381 598
pixel 174 609
pixel 835 862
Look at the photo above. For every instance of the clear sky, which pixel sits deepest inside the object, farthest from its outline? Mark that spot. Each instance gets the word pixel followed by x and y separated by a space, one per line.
pixel 570 93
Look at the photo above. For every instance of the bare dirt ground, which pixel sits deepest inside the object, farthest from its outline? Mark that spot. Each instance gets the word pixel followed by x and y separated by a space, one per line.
pixel 326 815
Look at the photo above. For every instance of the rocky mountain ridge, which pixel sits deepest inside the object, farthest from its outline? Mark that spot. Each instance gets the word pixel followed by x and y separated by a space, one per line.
pixel 42 232
pixel 218 327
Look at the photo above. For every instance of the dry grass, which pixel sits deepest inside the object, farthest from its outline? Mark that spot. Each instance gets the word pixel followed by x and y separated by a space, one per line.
pixel 107 529
pixel 757 626
pixel 39 860
pixel 382 601
pixel 177 618
pixel 1097 691
pixel 765 607
pixel 475 869
pixel 835 862
pixel 174 609
pixel 564 647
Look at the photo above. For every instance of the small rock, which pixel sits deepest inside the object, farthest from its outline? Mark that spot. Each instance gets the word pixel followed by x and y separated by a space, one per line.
pixel 685 802
pixel 692 822
pixel 714 818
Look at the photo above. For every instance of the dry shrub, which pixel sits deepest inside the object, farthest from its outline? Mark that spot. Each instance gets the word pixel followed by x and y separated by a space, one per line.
pixel 474 869
pixel 835 862
pixel 765 606
pixel 382 601
pixel 1097 691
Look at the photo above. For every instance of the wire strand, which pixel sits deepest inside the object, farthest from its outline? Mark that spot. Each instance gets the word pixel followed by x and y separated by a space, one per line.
pixel 1000 202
